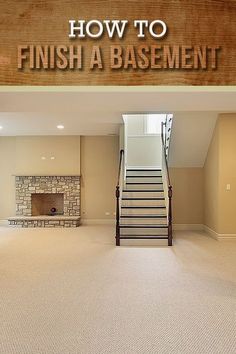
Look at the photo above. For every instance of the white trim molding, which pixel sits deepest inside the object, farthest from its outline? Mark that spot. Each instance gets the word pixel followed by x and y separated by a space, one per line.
pixel 217 236
pixel 3 222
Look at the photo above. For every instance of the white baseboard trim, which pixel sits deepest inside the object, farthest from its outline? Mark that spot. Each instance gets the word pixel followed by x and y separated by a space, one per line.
pixel 3 222
pixel 211 232
pixel 97 222
pixel 188 227
pixel 217 236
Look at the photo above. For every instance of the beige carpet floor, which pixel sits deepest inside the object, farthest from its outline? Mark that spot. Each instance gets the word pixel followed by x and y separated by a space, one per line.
pixel 67 291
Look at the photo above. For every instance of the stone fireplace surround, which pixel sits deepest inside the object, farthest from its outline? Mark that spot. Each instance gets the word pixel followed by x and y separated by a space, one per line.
pixel 26 186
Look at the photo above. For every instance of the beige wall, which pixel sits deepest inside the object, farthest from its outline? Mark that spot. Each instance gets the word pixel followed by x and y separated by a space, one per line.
pixel 227 199
pixel 22 155
pixel 211 183
pixel 99 168
pixel 30 150
pixel 187 195
pixel 220 170
pixel 7 181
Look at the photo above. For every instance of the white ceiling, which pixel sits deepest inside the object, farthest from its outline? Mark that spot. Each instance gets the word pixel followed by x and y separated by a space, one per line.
pixel 98 111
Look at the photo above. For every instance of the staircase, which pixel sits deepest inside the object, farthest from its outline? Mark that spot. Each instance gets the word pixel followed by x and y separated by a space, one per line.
pixel 144 199
pixel 143 210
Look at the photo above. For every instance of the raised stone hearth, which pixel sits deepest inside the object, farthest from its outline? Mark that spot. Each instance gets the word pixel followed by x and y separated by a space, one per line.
pixel 44 221
pixel 47 201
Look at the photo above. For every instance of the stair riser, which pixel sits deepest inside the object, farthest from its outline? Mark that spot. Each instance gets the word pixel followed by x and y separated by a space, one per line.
pixel 142 194
pixel 144 186
pixel 143 173
pixel 143 211
pixel 144 180
pixel 143 203
pixel 143 221
pixel 143 231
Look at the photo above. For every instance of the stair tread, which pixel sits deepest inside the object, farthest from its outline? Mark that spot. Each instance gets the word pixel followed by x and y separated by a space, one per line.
pixel 143 207
pixel 144 183
pixel 159 198
pixel 143 176
pixel 144 226
pixel 144 169
pixel 144 190
pixel 145 216
pixel 144 237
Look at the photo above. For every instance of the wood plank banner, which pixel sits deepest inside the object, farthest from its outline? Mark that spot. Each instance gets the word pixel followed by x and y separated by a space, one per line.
pixel 122 42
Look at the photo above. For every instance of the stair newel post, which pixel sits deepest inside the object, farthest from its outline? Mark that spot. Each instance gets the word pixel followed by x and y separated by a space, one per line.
pixel 170 216
pixel 117 216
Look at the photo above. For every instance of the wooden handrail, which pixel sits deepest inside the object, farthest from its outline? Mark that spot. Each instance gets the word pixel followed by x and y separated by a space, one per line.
pixel 164 151
pixel 120 164
pixel 168 182
pixel 118 200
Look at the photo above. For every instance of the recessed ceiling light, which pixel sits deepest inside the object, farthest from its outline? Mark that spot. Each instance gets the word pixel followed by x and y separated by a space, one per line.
pixel 60 126
pixel 1 127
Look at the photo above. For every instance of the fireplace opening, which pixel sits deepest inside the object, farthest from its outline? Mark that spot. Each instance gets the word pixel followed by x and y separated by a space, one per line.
pixel 47 204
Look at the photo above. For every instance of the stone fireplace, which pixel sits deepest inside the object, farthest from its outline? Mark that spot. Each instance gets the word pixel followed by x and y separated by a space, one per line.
pixel 47 201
